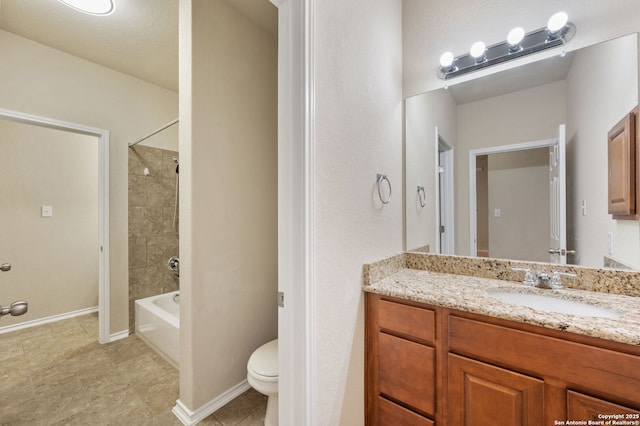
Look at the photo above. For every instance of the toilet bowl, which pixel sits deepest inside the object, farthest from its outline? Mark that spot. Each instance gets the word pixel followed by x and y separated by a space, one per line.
pixel 262 375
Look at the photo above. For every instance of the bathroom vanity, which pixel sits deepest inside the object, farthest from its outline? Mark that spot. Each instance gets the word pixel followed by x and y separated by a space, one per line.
pixel 440 350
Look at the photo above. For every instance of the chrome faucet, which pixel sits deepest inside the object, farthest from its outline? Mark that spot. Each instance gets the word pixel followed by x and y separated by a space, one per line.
pixel 543 279
pixel 174 265
pixel 529 276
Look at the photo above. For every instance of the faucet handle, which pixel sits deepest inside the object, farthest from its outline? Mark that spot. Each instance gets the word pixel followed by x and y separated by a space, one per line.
pixel 555 278
pixel 529 275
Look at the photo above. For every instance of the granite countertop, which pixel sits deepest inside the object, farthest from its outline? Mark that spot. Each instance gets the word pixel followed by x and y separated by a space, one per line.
pixel 472 294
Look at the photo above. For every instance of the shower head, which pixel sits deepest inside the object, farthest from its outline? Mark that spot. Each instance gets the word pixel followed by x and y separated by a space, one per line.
pixel 177 161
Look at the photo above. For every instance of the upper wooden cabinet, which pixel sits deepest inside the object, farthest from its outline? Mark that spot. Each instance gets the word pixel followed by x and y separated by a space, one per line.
pixel 623 169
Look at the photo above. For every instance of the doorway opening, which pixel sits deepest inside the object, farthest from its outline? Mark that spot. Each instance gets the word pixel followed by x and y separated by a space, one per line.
pixel 514 200
pixel 92 150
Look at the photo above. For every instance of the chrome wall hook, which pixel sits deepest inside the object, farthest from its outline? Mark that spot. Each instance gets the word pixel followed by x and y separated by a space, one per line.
pixel 379 179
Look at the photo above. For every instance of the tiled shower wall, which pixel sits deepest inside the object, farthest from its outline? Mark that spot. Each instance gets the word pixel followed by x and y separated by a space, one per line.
pixel 152 236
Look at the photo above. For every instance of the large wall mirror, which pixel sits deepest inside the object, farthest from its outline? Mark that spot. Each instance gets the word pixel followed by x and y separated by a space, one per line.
pixel 480 157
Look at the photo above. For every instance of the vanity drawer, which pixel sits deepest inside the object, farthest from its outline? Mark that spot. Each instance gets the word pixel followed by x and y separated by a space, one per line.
pixel 407 320
pixel 390 413
pixel 578 365
pixel 406 372
pixel 585 407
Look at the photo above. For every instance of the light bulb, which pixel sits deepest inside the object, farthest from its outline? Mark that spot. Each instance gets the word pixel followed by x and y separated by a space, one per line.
pixel 92 7
pixel 446 60
pixel 477 50
pixel 515 36
pixel 557 22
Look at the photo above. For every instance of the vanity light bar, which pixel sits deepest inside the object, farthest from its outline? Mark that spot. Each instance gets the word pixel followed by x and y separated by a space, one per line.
pixel 532 42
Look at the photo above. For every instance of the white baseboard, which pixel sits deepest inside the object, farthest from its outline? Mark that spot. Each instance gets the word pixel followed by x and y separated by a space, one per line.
pixel 47 320
pixel 119 336
pixel 190 418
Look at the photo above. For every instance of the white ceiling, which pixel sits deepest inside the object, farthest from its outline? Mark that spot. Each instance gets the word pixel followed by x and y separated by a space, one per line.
pixel 140 38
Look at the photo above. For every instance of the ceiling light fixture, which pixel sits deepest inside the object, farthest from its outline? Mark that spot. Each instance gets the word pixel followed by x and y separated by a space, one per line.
pixel 555 24
pixel 514 38
pixel 558 32
pixel 446 61
pixel 477 51
pixel 92 7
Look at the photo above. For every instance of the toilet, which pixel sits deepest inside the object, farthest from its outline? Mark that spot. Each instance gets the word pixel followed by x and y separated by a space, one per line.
pixel 262 375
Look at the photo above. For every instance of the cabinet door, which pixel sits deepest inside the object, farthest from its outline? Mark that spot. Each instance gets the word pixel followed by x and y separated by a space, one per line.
pixel 622 168
pixel 406 372
pixel 482 394
pixel 584 407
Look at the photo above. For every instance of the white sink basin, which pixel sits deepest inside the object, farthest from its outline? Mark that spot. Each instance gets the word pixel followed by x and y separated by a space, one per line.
pixel 554 304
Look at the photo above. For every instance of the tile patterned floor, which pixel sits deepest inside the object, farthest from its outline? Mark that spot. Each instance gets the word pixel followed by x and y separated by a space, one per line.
pixel 58 374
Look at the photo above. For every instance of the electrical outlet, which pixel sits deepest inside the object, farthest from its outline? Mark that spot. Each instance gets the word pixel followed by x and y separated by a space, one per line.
pixel 497 212
pixel 47 211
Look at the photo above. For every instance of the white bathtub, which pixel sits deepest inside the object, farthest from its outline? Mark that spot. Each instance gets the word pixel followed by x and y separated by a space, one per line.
pixel 158 324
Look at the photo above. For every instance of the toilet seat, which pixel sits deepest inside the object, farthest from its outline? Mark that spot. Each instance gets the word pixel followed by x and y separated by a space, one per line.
pixel 263 363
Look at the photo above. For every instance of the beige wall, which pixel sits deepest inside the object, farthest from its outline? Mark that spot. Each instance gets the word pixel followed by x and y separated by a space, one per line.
pixel 42 81
pixel 358 133
pixel 422 115
pixel 598 96
pixel 228 190
pixel 54 259
pixel 502 121
pixel 519 187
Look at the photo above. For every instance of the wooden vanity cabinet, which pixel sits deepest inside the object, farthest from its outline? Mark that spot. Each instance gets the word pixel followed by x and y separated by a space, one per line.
pixel 469 369
pixel 401 367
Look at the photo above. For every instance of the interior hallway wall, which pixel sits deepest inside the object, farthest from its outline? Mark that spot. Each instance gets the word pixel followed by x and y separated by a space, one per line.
pixel 54 259
pixel 519 186
pixel 228 190
pixel 39 80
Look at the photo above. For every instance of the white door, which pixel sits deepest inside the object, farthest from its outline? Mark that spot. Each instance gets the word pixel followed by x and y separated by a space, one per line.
pixel 558 199
pixel 444 196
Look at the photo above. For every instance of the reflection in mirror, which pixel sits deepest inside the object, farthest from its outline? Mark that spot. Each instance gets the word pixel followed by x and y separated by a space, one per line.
pixel 589 91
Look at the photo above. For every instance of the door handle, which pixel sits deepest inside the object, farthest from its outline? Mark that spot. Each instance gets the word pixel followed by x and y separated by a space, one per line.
pixel 15 309
pixel 5 267
pixel 562 252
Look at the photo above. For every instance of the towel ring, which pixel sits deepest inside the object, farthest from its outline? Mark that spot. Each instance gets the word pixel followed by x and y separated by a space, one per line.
pixel 379 180
pixel 422 196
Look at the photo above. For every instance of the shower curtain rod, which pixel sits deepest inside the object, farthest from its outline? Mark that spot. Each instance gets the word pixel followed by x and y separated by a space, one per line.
pixel 177 120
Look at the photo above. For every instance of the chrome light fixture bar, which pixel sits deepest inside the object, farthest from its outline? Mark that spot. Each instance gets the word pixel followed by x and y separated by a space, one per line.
pixel 518 44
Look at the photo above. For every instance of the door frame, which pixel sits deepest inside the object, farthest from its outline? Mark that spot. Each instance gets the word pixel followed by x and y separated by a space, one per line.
pixel 296 152
pixel 446 197
pixel 103 205
pixel 473 218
